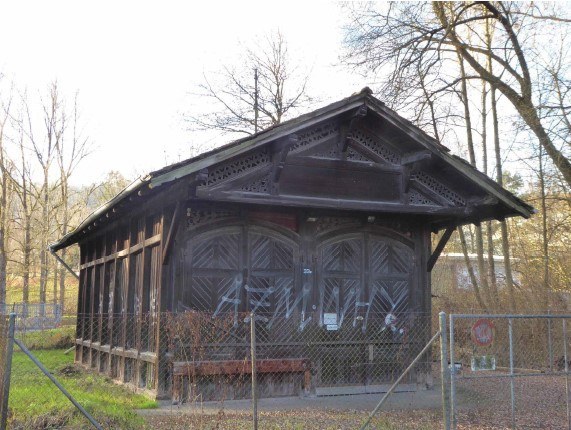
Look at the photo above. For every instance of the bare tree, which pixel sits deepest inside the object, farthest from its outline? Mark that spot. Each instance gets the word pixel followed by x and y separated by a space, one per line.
pixel 402 35
pixel 43 144
pixel 254 95
pixel 70 149
pixel 5 185
pixel 24 190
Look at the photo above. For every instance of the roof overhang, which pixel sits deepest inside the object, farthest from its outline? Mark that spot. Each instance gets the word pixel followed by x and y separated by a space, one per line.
pixel 159 178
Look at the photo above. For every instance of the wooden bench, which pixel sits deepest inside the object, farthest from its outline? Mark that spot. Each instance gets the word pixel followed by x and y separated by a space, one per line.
pixel 181 369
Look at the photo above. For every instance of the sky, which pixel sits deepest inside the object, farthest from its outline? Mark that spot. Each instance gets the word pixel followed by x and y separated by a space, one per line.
pixel 136 65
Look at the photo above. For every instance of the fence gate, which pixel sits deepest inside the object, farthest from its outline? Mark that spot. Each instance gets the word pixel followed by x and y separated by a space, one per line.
pixel 510 371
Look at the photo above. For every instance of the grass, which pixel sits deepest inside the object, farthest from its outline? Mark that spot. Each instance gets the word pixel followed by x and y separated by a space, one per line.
pixel 57 338
pixel 14 293
pixel 35 403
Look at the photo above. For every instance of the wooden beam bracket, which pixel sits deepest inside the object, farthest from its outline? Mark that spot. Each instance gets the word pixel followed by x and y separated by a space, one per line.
pixel 281 150
pixel 360 113
pixel 199 179
pixel 440 247
pixel 415 157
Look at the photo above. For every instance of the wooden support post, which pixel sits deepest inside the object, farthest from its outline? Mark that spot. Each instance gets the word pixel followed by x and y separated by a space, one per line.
pixel 167 246
pixel 438 250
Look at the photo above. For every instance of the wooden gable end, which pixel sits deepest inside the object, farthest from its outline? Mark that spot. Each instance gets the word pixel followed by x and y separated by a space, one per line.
pixel 347 163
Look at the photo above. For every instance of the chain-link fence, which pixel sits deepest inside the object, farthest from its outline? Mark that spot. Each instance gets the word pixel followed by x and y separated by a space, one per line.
pixel 198 356
pixel 510 371
pixel 4 371
pixel 35 316
pixel 43 383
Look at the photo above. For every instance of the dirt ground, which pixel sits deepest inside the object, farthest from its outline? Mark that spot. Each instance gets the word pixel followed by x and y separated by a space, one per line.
pixel 418 410
pixel 482 404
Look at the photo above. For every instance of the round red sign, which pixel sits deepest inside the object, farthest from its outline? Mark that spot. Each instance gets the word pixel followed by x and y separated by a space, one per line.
pixel 483 332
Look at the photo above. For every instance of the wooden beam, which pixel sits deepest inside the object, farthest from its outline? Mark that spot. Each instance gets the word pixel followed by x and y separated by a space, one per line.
pixel 324 163
pixel 238 367
pixel 405 183
pixel 124 252
pixel 415 157
pixel 64 264
pixel 360 113
pixel 200 178
pixel 172 231
pixel 438 250
pixel 345 204
pixel 281 150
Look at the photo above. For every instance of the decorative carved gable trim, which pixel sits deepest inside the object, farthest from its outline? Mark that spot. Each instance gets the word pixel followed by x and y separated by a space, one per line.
pixel 239 167
pixel 354 155
pixel 438 188
pixel 261 185
pixel 417 198
pixel 325 224
pixel 373 144
pixel 196 217
pixel 315 136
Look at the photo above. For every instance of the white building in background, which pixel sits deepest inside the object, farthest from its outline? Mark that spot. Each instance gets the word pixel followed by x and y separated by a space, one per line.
pixel 451 274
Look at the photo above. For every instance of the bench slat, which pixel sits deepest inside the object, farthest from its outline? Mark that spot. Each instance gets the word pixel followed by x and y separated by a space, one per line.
pixel 236 367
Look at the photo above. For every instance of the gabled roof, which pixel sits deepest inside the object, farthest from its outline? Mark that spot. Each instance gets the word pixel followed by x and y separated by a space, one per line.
pixel 156 179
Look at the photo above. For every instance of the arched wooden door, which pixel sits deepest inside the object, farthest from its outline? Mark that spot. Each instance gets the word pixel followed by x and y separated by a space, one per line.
pixel 363 274
pixel 239 268
pixel 363 277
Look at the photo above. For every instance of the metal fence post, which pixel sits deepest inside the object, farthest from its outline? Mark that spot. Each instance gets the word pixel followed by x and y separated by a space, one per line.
pixel 57 384
pixel 550 341
pixel 512 387
pixel 452 371
pixel 254 379
pixel 444 371
pixel 8 371
pixel 565 357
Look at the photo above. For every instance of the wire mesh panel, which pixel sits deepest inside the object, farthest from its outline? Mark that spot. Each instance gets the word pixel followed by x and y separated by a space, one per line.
pixel 4 327
pixel 35 316
pixel 35 401
pixel 209 356
pixel 511 371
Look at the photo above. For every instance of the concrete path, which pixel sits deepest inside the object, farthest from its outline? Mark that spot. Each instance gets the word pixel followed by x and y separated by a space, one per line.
pixel 424 399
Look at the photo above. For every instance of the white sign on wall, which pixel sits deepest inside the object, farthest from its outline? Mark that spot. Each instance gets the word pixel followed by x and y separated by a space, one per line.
pixel 330 320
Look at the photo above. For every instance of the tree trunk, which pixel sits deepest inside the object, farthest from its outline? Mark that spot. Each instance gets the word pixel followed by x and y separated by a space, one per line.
pixel 491 272
pixel 62 281
pixel 544 236
pixel 470 269
pixel 472 155
pixel 3 259
pixel 65 221
pixel 2 269
pixel 3 224
pixel 482 270
pixel 44 240
pixel 26 260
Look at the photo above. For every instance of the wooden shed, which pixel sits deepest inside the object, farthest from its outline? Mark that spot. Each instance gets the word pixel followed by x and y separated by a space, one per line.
pixel 325 219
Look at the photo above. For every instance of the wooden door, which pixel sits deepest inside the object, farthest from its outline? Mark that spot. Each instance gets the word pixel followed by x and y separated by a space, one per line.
pixel 239 269
pixel 213 271
pixel 363 277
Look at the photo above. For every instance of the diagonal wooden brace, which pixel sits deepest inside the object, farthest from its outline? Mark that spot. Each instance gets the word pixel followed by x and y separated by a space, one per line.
pixel 440 247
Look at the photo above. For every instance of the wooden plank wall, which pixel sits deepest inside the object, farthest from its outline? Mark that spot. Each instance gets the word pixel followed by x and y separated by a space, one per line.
pixel 119 298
